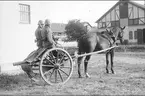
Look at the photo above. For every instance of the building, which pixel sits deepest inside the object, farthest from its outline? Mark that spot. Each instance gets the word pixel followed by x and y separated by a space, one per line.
pixel 58 30
pixel 126 13
pixel 18 22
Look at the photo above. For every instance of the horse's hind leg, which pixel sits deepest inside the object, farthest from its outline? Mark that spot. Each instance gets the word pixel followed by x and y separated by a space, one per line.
pixel 79 61
pixel 112 57
pixel 86 65
pixel 107 62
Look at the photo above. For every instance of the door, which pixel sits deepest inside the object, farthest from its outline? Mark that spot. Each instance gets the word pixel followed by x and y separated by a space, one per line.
pixel 139 36
pixel 143 35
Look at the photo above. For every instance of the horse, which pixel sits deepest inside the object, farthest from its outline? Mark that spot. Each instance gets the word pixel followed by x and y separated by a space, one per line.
pixel 95 41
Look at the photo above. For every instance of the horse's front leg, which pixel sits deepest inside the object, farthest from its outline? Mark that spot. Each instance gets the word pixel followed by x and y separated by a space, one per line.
pixel 111 58
pixel 79 61
pixel 107 62
pixel 86 65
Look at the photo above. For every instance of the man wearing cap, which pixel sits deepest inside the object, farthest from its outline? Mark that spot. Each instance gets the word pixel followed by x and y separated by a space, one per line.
pixel 38 34
pixel 33 55
pixel 47 37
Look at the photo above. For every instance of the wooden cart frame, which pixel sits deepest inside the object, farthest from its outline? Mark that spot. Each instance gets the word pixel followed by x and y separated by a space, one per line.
pixel 56 65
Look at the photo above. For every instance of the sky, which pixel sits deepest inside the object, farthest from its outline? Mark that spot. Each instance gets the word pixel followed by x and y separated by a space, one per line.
pixel 90 11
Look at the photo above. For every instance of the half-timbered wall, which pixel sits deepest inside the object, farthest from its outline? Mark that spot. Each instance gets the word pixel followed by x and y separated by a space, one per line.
pixel 125 14
pixel 110 19
pixel 136 15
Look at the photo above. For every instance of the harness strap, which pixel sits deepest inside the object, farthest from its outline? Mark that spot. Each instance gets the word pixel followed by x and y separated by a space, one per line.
pixel 104 36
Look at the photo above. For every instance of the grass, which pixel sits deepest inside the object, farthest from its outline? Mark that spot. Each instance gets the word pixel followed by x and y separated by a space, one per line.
pixel 129 79
pixel 10 82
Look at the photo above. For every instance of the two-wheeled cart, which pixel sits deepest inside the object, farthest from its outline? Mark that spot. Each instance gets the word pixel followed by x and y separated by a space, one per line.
pixel 56 64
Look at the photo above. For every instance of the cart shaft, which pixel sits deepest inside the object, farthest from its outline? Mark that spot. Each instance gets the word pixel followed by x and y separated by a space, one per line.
pixel 97 52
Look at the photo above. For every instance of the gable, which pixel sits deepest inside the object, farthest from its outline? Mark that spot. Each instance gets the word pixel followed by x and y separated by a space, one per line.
pixel 123 13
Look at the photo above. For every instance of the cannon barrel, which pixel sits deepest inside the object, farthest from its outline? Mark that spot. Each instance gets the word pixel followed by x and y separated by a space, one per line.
pixel 19 63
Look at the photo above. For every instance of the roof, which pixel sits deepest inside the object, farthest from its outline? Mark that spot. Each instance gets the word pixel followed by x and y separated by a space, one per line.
pixel 58 27
pixel 86 24
pixel 128 1
pixel 138 5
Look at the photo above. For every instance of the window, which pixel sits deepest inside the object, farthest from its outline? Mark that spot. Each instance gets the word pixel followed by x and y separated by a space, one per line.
pixel 103 24
pixel 99 25
pixel 130 35
pixel 130 22
pixel 24 13
pixel 115 23
pixel 135 34
pixel 134 21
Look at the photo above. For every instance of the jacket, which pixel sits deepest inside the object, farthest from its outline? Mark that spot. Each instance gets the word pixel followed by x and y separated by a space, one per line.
pixel 47 37
pixel 38 36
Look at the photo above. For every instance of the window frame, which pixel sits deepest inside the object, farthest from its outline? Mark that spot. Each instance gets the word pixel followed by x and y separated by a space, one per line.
pixel 135 34
pixel 25 13
pixel 134 21
pixel 130 35
pixel 115 23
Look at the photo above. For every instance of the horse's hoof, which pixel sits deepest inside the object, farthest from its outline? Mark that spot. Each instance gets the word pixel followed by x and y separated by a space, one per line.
pixel 113 73
pixel 80 77
pixel 87 75
pixel 107 72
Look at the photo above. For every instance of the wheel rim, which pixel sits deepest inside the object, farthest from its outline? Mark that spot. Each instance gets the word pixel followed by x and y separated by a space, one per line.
pixel 56 66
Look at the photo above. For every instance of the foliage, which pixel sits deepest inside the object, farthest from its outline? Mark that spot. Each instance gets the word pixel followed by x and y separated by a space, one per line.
pixel 75 29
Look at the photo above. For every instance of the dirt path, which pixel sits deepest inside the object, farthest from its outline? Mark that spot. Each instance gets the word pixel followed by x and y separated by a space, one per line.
pixel 129 79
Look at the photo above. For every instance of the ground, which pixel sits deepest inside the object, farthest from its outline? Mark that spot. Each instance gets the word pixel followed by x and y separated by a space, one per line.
pixel 129 79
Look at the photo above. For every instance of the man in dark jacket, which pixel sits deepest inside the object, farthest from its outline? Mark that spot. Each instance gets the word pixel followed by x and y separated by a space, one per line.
pixel 38 34
pixel 33 55
pixel 47 36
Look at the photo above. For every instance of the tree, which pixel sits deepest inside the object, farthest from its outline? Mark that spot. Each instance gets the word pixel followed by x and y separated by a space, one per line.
pixel 75 29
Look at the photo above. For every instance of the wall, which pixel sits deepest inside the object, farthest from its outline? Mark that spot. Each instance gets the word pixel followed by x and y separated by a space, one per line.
pixel 134 28
pixel 8 31
pixel 16 40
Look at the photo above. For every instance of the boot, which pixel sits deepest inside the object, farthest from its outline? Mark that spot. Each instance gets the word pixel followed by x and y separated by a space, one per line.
pixel 34 81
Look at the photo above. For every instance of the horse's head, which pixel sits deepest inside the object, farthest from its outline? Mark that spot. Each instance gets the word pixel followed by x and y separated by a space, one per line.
pixel 118 33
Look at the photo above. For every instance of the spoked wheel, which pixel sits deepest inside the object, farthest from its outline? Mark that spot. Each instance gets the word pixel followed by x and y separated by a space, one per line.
pixel 56 66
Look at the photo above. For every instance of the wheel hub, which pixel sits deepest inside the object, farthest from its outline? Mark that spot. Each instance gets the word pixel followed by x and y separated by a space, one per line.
pixel 57 66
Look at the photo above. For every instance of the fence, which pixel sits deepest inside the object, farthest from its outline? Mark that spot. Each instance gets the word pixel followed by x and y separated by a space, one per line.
pixel 130 48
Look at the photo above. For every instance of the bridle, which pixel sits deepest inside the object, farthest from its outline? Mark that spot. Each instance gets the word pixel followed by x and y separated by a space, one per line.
pixel 118 36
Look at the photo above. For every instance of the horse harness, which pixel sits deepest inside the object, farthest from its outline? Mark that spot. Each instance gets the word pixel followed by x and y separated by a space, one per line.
pixel 111 39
